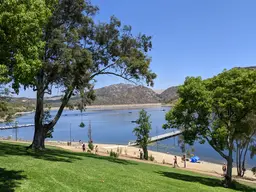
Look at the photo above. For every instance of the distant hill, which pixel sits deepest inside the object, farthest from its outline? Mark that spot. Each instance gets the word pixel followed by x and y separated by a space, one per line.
pixel 125 94
pixel 116 94
pixel 169 95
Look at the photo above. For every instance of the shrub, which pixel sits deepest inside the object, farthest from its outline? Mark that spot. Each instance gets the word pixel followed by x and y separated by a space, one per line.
pixel 114 154
pixel 90 145
pixel 151 158
pixel 120 150
pixel 254 171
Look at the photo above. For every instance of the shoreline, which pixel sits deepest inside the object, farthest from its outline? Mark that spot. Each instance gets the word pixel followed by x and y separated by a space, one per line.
pixel 100 107
pixel 121 106
pixel 132 153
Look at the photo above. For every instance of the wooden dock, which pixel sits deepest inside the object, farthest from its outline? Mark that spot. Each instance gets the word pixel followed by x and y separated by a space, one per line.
pixel 16 126
pixel 159 137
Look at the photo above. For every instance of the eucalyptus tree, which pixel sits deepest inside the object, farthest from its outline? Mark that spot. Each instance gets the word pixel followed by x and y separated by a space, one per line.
pixel 57 44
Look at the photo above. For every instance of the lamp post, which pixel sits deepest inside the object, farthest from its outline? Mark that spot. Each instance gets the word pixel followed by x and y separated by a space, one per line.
pixel 70 133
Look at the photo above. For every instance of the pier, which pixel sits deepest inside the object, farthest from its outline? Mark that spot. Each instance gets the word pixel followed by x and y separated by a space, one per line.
pixel 159 137
pixel 16 126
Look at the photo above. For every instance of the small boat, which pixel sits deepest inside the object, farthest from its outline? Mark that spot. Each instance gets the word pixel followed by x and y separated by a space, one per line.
pixel 130 112
pixel 133 121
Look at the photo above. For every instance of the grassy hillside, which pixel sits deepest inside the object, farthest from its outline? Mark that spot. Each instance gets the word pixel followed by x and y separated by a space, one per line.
pixel 58 170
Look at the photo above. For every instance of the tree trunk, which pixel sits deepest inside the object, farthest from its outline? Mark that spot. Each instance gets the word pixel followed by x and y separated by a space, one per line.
pixel 145 151
pixel 228 176
pixel 243 164
pixel 237 159
pixel 39 134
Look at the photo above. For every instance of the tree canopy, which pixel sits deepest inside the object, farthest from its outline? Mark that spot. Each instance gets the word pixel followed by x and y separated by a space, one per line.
pixel 48 43
pixel 142 131
pixel 210 110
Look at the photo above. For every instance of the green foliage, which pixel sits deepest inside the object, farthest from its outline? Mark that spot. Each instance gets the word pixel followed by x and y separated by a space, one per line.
pixel 245 141
pixel 114 154
pixel 21 37
pixel 142 131
pixel 210 110
pixel 46 44
pixel 6 110
pixel 82 125
pixel 254 171
pixel 119 150
pixel 151 158
pixel 90 145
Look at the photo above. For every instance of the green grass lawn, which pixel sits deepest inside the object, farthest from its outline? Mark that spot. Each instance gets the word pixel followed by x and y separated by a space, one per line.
pixel 59 170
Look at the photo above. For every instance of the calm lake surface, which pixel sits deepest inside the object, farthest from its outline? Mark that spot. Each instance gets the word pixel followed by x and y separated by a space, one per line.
pixel 114 127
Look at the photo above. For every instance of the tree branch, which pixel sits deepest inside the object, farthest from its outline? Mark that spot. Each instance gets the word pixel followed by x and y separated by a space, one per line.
pixel 115 74
pixel 216 149
pixel 101 71
pixel 65 100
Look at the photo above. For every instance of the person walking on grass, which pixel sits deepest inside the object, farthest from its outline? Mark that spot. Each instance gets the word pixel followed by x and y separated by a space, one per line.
pixel 175 162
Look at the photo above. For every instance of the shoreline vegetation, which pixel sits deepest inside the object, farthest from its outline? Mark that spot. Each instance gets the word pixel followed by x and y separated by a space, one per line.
pixel 163 159
pixel 101 107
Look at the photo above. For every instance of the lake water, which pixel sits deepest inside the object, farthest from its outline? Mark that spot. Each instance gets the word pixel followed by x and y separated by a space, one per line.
pixel 114 127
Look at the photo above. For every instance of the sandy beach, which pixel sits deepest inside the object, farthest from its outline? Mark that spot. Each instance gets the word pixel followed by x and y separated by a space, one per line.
pixel 132 153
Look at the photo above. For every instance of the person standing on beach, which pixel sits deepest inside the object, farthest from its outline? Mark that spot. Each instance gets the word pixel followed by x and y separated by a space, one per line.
pixel 184 160
pixel 83 147
pixel 96 149
pixel 175 162
pixel 224 169
pixel 141 154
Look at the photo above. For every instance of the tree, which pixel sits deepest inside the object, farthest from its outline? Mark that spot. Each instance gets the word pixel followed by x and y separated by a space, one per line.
pixel 142 132
pixel 5 113
pixel 244 141
pixel 65 48
pixel 90 141
pixel 209 110
pixel 254 171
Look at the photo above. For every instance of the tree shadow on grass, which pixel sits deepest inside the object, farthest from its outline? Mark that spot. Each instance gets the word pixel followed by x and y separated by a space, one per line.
pixel 53 154
pixel 9 180
pixel 213 182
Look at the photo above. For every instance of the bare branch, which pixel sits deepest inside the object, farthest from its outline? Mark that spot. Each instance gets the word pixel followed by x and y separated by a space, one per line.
pixel 65 100
pixel 118 75
pixel 101 71
pixel 216 148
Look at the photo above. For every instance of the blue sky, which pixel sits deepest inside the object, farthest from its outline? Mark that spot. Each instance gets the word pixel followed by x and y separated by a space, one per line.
pixel 190 37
